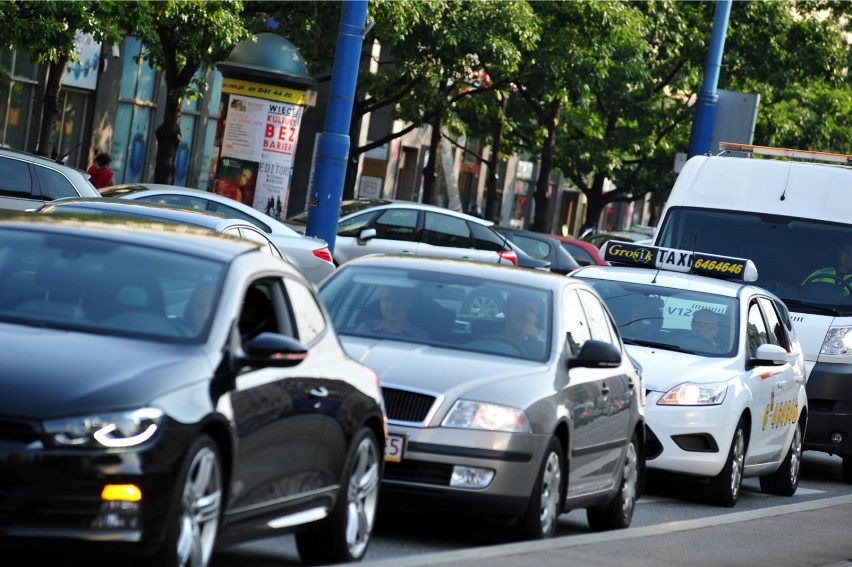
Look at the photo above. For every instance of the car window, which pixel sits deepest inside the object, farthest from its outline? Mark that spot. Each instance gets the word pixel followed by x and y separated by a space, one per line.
pixel 600 324
pixel 176 201
pixel 756 332
pixel 234 213
pixel 259 237
pixel 15 180
pixel 54 185
pixel 444 230
pixel 354 225
pixel 574 318
pixel 777 334
pixel 583 257
pixel 397 224
pixel 532 246
pixel 310 321
pixel 257 314
pixel 486 238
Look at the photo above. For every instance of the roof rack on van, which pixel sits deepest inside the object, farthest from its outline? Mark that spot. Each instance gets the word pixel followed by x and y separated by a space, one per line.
pixel 675 260
pixel 785 152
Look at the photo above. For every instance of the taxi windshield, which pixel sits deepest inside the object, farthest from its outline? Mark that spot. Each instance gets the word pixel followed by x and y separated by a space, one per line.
pixel 675 319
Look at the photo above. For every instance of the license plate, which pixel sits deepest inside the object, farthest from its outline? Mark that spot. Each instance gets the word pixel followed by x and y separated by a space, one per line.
pixel 395 448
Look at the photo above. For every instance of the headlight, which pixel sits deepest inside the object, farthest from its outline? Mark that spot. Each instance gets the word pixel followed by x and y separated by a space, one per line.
pixel 838 340
pixel 692 394
pixel 491 417
pixel 112 430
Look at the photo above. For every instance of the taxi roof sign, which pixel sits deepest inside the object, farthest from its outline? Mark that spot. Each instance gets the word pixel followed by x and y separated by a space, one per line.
pixel 675 260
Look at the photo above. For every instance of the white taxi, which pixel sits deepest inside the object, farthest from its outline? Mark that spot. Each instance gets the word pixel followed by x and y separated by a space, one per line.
pixel 723 370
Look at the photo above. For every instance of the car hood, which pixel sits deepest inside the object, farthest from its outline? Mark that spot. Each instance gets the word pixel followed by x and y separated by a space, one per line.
pixel 665 369
pixel 50 373
pixel 446 371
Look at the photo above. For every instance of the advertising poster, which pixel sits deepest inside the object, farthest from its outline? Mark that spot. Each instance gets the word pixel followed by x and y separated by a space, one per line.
pixel 257 140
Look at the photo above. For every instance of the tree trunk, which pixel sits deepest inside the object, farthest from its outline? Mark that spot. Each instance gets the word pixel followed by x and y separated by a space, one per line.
pixel 492 205
pixel 542 185
pixel 47 132
pixel 168 140
pixel 430 171
pixel 595 201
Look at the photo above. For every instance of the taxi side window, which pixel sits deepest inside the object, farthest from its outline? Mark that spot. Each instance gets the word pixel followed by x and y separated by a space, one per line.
pixel 310 320
pixel 756 333
pixel 577 330
pixel 600 324
pixel 777 334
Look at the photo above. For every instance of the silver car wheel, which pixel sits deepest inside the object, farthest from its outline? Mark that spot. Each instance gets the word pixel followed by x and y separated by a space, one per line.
pixel 737 458
pixel 200 507
pixel 362 497
pixel 629 480
pixel 550 492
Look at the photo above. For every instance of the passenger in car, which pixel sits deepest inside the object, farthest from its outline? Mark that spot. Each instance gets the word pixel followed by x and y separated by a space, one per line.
pixel 395 306
pixel 521 322
pixel 705 324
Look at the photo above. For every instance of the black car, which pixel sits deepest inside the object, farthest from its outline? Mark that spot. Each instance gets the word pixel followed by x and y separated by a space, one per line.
pixel 168 389
pixel 542 247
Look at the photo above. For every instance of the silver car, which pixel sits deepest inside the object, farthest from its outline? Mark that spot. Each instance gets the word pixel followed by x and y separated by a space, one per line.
pixel 516 415
pixel 310 255
pixel 29 181
pixel 379 226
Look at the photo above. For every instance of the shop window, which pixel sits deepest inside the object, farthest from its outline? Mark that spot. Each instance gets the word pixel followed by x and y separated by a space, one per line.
pixel 17 87
pixel 134 140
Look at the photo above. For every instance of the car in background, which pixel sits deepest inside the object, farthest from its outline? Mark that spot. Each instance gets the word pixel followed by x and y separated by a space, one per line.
pixel 584 252
pixel 513 416
pixel 723 369
pixel 311 255
pixel 414 229
pixel 543 247
pixel 637 237
pixel 29 181
pixel 167 389
pixel 152 212
pixel 527 261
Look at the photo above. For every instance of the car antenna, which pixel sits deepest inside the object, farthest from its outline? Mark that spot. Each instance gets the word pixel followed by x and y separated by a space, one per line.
pixel 61 159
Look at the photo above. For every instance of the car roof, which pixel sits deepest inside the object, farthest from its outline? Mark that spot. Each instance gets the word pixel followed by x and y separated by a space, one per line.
pixel 189 240
pixel 355 206
pixel 663 278
pixel 41 160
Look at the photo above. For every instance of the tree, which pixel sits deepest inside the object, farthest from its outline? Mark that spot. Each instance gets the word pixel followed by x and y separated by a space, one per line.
pixel 46 32
pixel 182 39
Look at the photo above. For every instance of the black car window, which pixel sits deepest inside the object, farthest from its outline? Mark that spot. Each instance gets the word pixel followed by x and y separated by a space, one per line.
pixel 15 180
pixel 600 324
pixel 757 333
pixel 580 254
pixel 486 238
pixel 576 328
pixel 54 185
pixel 532 246
pixel 444 230
pixel 777 333
pixel 354 225
pixel 397 224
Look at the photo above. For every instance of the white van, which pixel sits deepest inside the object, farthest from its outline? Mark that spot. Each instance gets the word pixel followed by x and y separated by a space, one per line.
pixel 790 217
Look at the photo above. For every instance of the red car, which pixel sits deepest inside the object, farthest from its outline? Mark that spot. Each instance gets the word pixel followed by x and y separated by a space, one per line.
pixel 584 252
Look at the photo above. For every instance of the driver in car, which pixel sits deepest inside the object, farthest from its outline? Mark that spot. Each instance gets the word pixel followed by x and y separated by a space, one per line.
pixel 840 275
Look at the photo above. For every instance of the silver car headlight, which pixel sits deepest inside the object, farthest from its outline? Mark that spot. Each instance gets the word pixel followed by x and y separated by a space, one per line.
pixel 109 430
pixel 490 417
pixel 838 340
pixel 693 394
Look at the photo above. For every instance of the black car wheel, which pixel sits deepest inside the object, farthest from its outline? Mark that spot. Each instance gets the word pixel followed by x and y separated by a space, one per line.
pixel 193 522
pixel 539 520
pixel 619 513
pixel 785 480
pixel 345 534
pixel 724 488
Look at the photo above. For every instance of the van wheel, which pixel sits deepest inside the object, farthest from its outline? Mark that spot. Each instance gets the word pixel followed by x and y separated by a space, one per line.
pixel 847 469
pixel 724 488
pixel 619 513
pixel 785 480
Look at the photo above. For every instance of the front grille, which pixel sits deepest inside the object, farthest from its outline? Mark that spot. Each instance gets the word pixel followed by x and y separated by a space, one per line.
pixel 418 471
pixel 402 405
pixel 60 507
pixel 18 432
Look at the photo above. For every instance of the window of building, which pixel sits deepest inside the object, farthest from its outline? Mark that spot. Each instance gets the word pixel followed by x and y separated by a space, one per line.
pixel 17 95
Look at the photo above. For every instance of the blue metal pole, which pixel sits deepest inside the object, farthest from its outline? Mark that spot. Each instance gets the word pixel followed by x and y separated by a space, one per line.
pixel 332 149
pixel 708 98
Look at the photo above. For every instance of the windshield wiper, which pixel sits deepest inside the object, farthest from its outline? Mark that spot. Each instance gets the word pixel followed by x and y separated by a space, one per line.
pixel 821 308
pixel 639 342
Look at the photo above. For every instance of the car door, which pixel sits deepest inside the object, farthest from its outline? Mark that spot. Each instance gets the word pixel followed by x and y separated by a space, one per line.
pixel 763 381
pixel 446 236
pixel 277 427
pixel 396 232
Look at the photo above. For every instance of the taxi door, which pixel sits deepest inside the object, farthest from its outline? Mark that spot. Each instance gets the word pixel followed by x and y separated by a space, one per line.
pixel 764 381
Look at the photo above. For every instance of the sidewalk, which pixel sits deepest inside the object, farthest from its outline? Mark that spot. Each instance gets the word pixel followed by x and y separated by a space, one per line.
pixel 816 533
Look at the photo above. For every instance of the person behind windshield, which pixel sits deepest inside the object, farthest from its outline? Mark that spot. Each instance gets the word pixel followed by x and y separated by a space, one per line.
pixel 395 306
pixel 841 275
pixel 520 324
pixel 705 324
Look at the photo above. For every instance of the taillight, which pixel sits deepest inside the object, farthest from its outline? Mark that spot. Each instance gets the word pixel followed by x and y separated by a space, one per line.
pixel 323 254
pixel 509 255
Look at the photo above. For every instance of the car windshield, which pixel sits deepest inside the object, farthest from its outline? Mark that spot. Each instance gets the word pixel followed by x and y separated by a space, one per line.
pixel 674 319
pixel 106 287
pixel 437 308
pixel 787 251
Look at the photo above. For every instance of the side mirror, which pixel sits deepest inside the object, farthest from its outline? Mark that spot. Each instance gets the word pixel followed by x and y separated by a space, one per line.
pixel 272 350
pixel 596 354
pixel 771 354
pixel 367 234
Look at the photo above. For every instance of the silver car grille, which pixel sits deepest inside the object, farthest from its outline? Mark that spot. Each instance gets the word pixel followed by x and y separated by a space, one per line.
pixel 403 405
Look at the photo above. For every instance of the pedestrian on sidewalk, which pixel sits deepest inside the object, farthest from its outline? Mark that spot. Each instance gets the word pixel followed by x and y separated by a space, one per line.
pixel 99 172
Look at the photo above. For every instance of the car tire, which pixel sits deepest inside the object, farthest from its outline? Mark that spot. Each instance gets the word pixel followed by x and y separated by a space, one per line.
pixel 192 525
pixel 724 488
pixel 345 535
pixel 847 469
pixel 545 504
pixel 619 513
pixel 483 304
pixel 785 480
